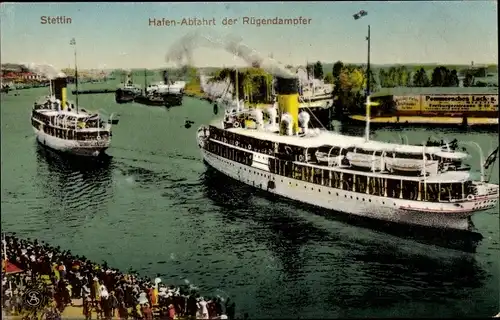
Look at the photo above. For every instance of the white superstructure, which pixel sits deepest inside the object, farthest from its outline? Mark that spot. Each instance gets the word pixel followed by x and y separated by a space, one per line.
pixel 161 87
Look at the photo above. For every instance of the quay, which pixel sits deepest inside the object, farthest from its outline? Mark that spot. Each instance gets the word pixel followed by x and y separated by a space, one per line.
pixel 429 121
pixel 442 106
pixel 94 91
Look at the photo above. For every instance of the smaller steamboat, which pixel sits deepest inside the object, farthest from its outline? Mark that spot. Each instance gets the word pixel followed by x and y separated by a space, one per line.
pixel 61 126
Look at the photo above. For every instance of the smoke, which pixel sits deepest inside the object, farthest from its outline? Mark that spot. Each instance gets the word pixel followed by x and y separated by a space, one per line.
pixel 182 51
pixel 45 70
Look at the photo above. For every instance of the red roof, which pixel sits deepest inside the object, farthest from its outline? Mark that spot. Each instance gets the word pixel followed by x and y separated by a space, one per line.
pixel 10 268
pixel 9 75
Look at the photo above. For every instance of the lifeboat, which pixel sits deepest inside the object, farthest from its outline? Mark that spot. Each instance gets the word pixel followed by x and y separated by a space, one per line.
pixel 329 154
pixel 408 165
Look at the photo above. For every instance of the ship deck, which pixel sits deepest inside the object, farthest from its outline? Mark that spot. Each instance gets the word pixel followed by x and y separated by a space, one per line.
pixel 324 138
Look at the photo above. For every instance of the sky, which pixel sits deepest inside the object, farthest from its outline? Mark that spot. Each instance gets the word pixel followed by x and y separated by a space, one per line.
pixel 118 35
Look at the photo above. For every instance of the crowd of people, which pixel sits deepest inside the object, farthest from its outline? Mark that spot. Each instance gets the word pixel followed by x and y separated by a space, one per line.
pixel 104 291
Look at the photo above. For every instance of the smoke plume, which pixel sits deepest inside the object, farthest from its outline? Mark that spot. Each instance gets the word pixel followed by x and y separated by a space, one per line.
pixel 182 51
pixel 45 70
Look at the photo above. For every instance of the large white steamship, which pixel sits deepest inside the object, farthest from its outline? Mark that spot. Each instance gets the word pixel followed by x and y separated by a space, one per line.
pixel 61 125
pixel 412 184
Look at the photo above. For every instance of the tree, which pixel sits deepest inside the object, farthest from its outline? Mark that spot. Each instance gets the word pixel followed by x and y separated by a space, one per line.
pixel 318 70
pixel 469 80
pixel 252 82
pixel 420 79
pixel 453 79
pixel 443 77
pixel 382 77
pixel 329 78
pixel 440 77
pixel 409 79
pixel 403 76
pixel 337 69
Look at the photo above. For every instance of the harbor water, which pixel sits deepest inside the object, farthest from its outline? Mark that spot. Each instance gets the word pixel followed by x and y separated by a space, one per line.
pixel 156 207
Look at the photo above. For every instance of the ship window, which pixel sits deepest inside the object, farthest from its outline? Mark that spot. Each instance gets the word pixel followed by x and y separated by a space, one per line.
pixel 297 172
pixel 272 165
pixel 431 192
pixel 326 177
pixel 347 180
pixel 307 173
pixel 360 183
pixel 456 191
pixel 393 188
pixel 410 190
pixel 445 192
pixel 317 175
pixel 336 183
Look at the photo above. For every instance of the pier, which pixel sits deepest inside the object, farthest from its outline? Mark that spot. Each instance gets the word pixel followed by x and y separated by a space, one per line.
pixel 93 91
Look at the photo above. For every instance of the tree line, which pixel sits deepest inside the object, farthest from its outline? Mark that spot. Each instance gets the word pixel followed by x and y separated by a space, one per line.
pixel 402 76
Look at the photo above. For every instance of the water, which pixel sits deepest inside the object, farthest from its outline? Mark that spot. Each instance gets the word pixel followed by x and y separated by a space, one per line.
pixel 155 207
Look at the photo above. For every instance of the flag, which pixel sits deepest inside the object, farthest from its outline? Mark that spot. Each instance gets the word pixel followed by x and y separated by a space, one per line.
pixel 72 42
pixel 10 268
pixel 491 159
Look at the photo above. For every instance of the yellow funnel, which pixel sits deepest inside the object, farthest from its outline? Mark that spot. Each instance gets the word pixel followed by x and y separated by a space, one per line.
pixel 288 100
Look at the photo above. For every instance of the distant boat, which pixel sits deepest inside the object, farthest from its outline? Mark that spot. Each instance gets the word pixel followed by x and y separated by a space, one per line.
pixel 159 94
pixel 61 126
pixel 127 91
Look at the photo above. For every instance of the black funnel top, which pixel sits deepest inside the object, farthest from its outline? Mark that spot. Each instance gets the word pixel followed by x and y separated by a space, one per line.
pixel 287 85
pixel 57 85
pixel 165 76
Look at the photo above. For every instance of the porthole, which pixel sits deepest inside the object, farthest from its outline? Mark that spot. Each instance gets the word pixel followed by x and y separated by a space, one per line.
pixel 337 194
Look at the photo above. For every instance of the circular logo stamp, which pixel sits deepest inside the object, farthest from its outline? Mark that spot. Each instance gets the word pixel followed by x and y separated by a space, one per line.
pixel 33 298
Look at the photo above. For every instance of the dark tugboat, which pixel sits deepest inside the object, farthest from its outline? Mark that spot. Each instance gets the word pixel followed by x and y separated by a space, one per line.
pixel 127 91
pixel 162 93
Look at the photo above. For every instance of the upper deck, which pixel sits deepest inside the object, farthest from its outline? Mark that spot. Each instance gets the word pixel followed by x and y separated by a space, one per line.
pixel 317 138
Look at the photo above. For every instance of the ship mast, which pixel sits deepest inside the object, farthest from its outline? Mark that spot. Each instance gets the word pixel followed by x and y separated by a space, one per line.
pixel 236 90
pixel 73 43
pixel 145 80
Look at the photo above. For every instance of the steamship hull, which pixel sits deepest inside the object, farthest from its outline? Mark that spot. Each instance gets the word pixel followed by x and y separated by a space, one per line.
pixel 124 96
pixel 70 146
pixel 335 201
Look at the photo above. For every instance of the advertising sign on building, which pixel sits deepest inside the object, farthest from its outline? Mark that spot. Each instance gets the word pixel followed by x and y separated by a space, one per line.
pixel 447 103
pixel 459 103
pixel 407 103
